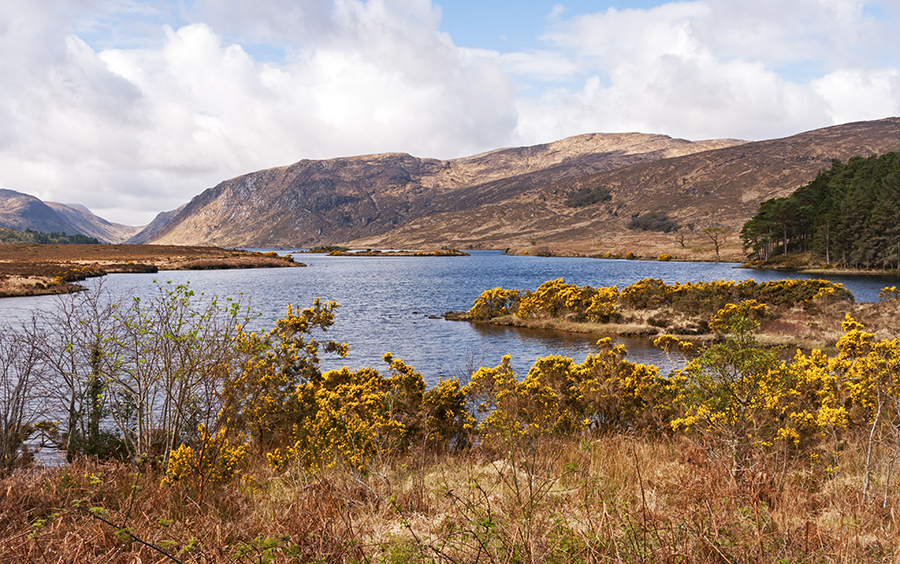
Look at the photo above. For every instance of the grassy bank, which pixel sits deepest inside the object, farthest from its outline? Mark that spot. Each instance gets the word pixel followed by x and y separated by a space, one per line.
pixel 43 269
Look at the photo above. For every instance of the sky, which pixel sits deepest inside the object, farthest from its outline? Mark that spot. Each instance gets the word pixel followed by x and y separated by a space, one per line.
pixel 132 107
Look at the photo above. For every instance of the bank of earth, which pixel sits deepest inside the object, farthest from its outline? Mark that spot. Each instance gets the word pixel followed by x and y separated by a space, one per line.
pixel 32 269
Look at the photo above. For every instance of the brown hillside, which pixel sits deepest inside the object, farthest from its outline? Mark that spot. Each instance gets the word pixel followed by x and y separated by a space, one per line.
pixel 92 225
pixel 722 186
pixel 333 201
pixel 21 211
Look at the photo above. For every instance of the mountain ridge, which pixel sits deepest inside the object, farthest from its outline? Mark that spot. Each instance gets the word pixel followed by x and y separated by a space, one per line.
pixel 511 198
pixel 20 211
pixel 332 201
pixel 718 187
pixel 92 225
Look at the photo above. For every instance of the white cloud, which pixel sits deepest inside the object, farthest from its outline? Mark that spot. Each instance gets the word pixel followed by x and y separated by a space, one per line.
pixel 715 68
pixel 853 95
pixel 147 128
pixel 546 66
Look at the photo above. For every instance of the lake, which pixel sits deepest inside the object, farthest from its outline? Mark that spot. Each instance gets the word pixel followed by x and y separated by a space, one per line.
pixel 394 304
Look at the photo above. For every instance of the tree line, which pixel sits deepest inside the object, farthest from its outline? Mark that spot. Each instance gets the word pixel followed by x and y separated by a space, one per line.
pixel 12 236
pixel 847 215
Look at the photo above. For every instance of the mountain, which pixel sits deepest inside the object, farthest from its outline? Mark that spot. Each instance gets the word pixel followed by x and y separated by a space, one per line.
pixel 718 187
pixel 21 211
pixel 92 225
pixel 149 231
pixel 332 201
pixel 517 197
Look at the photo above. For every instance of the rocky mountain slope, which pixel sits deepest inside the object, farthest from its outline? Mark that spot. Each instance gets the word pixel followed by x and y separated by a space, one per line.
pixel 92 225
pixel 21 211
pixel 334 201
pixel 516 198
pixel 722 187
pixel 149 231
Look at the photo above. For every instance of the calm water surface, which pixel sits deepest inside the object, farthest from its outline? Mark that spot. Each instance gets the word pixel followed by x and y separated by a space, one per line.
pixel 389 304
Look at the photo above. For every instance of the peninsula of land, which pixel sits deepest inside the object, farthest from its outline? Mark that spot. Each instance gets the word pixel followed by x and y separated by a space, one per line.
pixel 32 269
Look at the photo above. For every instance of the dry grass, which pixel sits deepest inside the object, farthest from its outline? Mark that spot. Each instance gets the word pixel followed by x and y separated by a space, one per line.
pixel 609 499
pixel 31 269
pixel 646 245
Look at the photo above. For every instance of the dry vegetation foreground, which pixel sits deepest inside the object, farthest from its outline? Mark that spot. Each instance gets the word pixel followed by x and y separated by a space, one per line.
pixel 31 269
pixel 610 499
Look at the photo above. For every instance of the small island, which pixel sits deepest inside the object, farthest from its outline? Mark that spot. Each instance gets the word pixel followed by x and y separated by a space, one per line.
pixel 805 313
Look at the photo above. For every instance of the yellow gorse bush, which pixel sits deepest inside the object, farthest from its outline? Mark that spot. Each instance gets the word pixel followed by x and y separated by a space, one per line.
pixel 556 299
pixel 737 397
pixel 737 392
pixel 495 303
pixel 558 396
pixel 275 364
pixel 738 317
pixel 214 461
pixel 448 422
pixel 889 294
pixel 351 422
pixel 352 418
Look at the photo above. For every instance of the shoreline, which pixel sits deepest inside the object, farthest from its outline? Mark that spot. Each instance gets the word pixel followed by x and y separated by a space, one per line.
pixel 741 261
pixel 38 270
pixel 391 253
pixel 648 332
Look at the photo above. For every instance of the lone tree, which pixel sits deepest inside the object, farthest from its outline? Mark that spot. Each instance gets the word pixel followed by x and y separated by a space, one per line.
pixel 718 235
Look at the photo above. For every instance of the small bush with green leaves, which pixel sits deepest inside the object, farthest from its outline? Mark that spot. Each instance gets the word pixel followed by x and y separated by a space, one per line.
pixel 653 221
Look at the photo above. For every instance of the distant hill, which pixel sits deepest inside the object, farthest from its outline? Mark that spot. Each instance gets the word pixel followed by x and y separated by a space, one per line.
pixel 722 186
pixel 148 232
pixel 516 198
pixel 20 211
pixel 314 203
pixel 94 226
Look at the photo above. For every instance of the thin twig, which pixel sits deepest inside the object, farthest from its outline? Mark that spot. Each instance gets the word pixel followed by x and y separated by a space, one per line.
pixel 133 537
